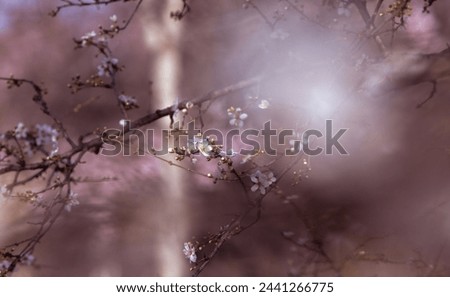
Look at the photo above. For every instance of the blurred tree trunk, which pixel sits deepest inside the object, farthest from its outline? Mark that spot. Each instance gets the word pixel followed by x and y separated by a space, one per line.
pixel 162 35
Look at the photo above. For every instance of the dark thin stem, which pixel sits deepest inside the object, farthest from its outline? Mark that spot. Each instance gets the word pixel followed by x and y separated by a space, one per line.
pixel 81 3
pixel 39 99
pixel 432 93
pixel 268 22
pixel 236 226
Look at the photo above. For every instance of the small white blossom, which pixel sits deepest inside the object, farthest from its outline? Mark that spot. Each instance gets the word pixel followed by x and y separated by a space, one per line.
pixel 88 38
pixel 107 67
pixel 128 101
pixel 264 104
pixel 46 135
pixel 204 146
pixel 21 131
pixel 71 201
pixel 189 252
pixel 237 117
pixel 36 200
pixel 28 259
pixel 4 265
pixel 113 18
pixel 262 181
pixel 189 105
pixel 4 192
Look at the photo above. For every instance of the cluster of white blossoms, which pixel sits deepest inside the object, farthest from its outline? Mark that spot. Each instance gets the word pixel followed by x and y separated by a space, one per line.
pixel 89 38
pixel 236 116
pixel 71 201
pixel 108 67
pixel 205 146
pixel 42 135
pixel 189 252
pixel 262 181
pixel 28 260
pixel 47 136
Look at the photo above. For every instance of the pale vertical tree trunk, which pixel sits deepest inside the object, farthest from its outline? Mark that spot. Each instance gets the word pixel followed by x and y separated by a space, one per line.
pixel 162 35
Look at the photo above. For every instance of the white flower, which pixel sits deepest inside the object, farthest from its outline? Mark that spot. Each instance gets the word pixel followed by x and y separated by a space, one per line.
pixel 71 201
pixel 262 181
pixel 88 35
pixel 237 117
pixel 128 100
pixel 107 67
pixel 264 104
pixel 4 264
pixel 113 18
pixel 28 259
pixel 46 135
pixel 204 146
pixel 189 252
pixel 87 38
pixel 4 192
pixel 21 132
pixel 279 34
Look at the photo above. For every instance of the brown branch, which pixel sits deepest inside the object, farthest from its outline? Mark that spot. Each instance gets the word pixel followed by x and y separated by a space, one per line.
pixel 81 3
pixel 432 93
pixel 237 226
pixel 160 113
pixel 361 5
pixel 39 99
pixel 265 18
